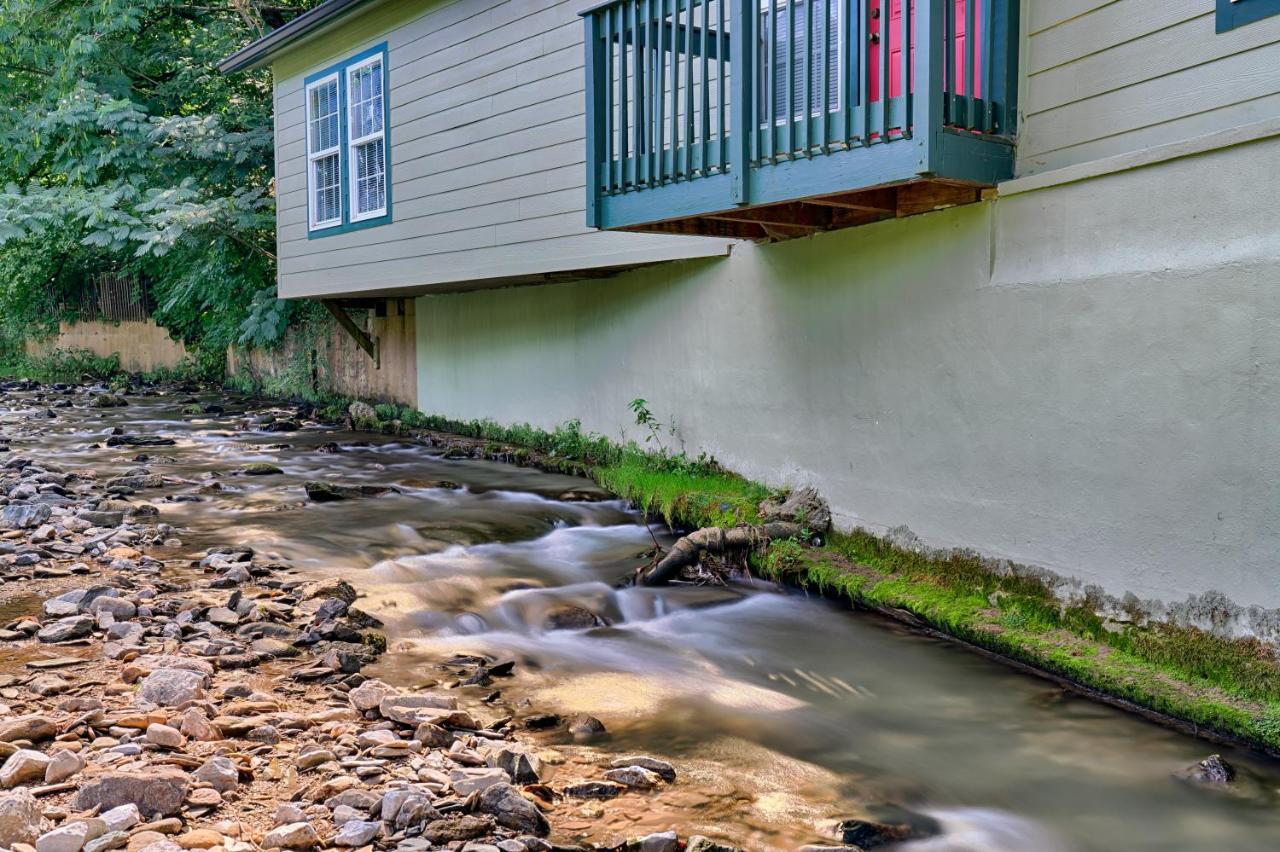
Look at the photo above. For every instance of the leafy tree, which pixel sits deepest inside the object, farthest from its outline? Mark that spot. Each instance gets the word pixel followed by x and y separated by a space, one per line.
pixel 122 147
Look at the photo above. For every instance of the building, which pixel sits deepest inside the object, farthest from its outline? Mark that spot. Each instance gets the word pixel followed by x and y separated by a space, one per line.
pixel 1028 303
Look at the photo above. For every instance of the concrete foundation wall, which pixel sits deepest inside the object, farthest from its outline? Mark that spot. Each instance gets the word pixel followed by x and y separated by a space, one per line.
pixel 142 346
pixel 335 362
pixel 1084 377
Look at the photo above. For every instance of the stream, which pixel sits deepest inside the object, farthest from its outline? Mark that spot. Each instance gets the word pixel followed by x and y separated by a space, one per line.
pixel 784 712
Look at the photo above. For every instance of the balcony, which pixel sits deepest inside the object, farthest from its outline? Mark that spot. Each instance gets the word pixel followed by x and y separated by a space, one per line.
pixel 769 119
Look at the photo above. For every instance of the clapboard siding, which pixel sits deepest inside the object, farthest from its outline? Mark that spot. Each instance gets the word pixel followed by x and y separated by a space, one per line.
pixel 1108 77
pixel 487 154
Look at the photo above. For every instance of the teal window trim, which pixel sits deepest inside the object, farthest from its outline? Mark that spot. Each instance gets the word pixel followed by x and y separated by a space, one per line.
pixel 346 224
pixel 1237 13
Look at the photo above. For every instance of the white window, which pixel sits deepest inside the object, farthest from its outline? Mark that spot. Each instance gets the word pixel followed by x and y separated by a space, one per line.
pixel 324 158
pixel 366 139
pixel 826 17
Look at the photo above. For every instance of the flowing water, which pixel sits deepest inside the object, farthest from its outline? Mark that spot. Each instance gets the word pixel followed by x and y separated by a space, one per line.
pixel 783 712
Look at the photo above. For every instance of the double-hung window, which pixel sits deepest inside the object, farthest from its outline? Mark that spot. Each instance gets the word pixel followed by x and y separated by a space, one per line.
pixel 348 151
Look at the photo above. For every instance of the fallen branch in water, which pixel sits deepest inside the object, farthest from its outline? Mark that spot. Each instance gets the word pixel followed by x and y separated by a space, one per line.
pixel 686 552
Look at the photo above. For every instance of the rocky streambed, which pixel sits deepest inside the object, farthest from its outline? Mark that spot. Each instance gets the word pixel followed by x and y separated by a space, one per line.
pixel 157 699
pixel 224 625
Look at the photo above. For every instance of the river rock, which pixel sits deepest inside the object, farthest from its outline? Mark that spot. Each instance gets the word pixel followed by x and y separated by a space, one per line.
pixel 23 766
pixel 19 818
pixel 63 763
pixel 509 808
pixel 369 694
pixel 456 828
pixel 21 516
pixel 220 773
pixel 170 687
pixel 164 736
pixel 698 843
pixel 584 727
pixel 71 837
pixel 329 492
pixel 356 833
pixel 409 709
pixel 594 790
pixel 468 780
pixel 665 770
pixel 158 792
pixel 634 776
pixel 663 841
pixel 67 629
pixel 294 835
pixel 521 766
pixel 100 518
pixel 1213 771
pixel 260 469
pixel 570 617
pixel 33 728
pixel 803 506
pixel 196 724
pixel 121 818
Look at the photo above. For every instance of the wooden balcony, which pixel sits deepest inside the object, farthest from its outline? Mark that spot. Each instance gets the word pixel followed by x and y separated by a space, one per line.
pixel 768 119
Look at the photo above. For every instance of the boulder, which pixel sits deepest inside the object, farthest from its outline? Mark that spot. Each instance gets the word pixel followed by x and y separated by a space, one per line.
pixel 32 728
pixel 634 776
pixel 663 841
pixel 803 506
pixel 1213 771
pixel 23 766
pixel 356 833
pixel 412 709
pixel 456 828
pixel 170 687
pixel 509 808
pixel 63 763
pixel 665 770
pixel 19 818
pixel 22 516
pixel 220 773
pixel 164 736
pixel 71 837
pixel 158 792
pixel 570 617
pixel 67 629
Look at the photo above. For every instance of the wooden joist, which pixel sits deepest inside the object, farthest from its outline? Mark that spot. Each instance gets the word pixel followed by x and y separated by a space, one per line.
pixel 809 216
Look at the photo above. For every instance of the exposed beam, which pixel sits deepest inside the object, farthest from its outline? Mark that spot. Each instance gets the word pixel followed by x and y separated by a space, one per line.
pixel 795 213
pixel 883 200
pixel 930 195
pixel 357 333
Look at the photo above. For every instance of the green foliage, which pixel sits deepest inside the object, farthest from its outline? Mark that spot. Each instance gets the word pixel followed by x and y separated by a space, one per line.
pixel 62 365
pixel 124 149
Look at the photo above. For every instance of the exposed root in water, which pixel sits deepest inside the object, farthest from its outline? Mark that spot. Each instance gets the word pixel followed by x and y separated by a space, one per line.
pixel 687 552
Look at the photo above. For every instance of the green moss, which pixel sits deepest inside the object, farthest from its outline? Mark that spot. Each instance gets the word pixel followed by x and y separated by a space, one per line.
pixel 683 498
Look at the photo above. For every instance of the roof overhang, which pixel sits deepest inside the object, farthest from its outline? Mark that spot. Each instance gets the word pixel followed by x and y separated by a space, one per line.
pixel 258 53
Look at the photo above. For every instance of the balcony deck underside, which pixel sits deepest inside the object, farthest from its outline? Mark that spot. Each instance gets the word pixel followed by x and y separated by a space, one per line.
pixel 803 196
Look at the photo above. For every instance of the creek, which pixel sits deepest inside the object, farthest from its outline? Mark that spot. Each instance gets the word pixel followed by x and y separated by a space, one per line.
pixel 783 711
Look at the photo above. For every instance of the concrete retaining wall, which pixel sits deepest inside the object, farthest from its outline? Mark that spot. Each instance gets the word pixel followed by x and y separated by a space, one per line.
pixel 142 346
pixel 1085 377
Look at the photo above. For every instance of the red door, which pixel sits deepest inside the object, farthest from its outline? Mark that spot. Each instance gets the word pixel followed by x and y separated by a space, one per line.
pixel 895 48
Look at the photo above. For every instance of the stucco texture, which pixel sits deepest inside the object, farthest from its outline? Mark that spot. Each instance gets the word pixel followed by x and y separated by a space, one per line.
pixel 1084 378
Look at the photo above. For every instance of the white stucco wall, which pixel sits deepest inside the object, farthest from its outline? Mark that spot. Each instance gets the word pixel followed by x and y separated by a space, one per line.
pixel 1084 377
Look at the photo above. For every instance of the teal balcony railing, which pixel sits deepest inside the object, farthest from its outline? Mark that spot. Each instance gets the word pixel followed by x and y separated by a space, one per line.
pixel 718 116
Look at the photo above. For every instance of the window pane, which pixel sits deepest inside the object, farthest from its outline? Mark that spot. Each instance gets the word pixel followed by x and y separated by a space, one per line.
pixel 825 28
pixel 326 187
pixel 370 177
pixel 324 116
pixel 364 92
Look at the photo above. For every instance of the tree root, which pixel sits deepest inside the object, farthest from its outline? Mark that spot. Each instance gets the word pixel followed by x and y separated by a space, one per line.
pixel 687 551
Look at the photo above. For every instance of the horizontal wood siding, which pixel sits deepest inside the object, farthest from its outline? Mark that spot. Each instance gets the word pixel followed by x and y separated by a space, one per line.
pixel 487 153
pixel 1107 77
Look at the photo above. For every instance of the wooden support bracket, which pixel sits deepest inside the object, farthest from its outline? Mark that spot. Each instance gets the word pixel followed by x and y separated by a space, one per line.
pixel 358 334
